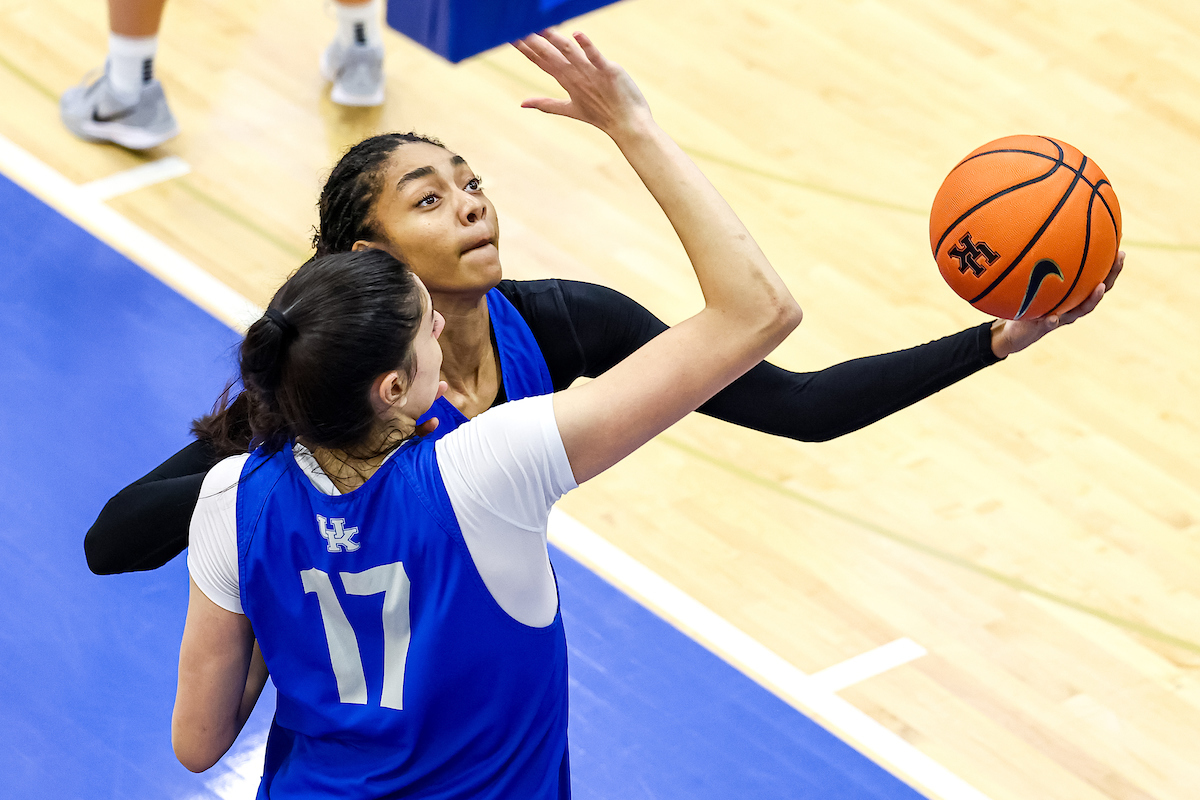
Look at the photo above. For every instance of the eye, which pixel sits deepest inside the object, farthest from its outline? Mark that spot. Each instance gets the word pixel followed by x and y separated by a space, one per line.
pixel 475 184
pixel 427 201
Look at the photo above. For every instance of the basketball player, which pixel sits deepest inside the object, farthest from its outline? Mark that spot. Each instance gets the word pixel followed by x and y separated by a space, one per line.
pixel 126 104
pixel 402 597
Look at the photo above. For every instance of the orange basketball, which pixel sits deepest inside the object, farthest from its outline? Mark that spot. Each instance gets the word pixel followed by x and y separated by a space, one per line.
pixel 1025 226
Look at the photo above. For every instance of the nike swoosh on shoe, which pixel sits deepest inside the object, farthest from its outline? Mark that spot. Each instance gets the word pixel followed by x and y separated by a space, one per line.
pixel 118 115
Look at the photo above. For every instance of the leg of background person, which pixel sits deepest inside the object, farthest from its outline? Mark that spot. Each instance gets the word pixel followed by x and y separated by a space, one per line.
pixel 353 61
pixel 132 44
pixel 126 105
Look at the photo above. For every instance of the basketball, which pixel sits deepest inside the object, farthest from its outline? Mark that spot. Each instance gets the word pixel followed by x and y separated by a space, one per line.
pixel 1025 226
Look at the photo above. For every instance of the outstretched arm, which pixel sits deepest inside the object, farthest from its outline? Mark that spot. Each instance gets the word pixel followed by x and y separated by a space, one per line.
pixel 584 329
pixel 747 312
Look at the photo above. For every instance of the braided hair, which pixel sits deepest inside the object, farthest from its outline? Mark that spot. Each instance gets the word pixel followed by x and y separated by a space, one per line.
pixel 347 204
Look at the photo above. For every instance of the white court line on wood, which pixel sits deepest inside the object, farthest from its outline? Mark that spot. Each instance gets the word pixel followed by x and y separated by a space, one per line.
pixel 754 659
pixel 155 257
pixel 130 180
pixel 867 665
pixel 573 537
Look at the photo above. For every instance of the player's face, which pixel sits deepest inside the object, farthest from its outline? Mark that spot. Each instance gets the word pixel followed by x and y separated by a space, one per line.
pixel 435 217
pixel 423 390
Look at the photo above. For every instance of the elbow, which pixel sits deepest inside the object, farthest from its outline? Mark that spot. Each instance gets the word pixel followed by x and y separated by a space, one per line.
pixel 787 316
pixel 100 558
pixel 192 758
pixel 101 542
pixel 191 748
pixel 193 765
pixel 794 314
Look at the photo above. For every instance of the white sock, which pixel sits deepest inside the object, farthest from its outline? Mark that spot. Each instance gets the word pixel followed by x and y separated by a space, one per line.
pixel 359 24
pixel 130 64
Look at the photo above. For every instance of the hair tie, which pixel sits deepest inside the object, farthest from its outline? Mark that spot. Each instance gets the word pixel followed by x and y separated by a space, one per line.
pixel 276 316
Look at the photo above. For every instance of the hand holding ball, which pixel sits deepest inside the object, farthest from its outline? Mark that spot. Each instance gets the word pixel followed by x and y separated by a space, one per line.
pixel 1025 226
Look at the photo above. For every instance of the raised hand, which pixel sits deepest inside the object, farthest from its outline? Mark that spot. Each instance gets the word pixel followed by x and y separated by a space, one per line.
pixel 1012 336
pixel 601 92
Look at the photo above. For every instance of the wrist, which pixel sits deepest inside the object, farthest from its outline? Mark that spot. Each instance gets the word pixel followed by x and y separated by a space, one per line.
pixel 638 129
pixel 1001 347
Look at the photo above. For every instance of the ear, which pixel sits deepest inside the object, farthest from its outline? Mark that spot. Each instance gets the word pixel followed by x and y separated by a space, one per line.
pixel 363 244
pixel 390 390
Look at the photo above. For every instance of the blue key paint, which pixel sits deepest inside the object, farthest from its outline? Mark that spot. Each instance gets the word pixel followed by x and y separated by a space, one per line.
pixel 103 368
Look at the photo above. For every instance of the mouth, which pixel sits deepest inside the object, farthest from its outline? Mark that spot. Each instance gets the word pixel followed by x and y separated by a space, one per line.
pixel 483 242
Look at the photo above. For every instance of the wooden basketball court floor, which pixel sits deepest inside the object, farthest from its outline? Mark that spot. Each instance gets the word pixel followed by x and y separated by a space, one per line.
pixel 1034 530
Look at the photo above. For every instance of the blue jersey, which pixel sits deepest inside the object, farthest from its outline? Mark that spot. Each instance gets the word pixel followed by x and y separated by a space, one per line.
pixel 522 368
pixel 398 674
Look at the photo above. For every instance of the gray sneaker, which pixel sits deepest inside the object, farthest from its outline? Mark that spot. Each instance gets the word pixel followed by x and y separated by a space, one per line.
pixel 93 112
pixel 356 73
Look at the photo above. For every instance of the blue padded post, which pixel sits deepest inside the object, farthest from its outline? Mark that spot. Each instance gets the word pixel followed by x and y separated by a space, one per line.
pixel 458 29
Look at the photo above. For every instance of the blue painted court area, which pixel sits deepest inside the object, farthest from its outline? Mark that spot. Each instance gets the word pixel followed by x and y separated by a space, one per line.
pixel 103 367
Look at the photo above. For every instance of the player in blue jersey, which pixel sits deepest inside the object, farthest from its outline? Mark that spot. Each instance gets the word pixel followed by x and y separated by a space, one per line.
pixel 399 585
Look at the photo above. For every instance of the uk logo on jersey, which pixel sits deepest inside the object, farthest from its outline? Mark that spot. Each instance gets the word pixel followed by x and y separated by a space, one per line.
pixel 340 539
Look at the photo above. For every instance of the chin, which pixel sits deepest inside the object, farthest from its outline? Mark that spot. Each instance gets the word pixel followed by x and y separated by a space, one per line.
pixel 488 275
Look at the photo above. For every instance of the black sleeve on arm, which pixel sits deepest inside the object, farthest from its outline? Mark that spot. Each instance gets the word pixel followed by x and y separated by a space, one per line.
pixel 146 524
pixel 819 406
pixel 585 329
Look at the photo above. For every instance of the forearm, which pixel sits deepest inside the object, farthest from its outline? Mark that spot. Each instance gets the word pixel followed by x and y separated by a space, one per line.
pixel 734 275
pixel 216 687
pixel 819 406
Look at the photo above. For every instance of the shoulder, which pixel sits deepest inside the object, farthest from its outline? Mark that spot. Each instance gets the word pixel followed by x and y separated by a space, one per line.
pixel 224 476
pixel 218 493
pixel 559 294
pixel 533 298
pixel 505 448
pixel 212 537
pixel 512 422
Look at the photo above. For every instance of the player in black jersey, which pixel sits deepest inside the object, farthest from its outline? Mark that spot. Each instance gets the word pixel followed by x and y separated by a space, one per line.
pixel 382 194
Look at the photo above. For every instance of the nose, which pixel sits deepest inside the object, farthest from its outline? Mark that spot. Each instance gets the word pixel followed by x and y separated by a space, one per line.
pixel 473 208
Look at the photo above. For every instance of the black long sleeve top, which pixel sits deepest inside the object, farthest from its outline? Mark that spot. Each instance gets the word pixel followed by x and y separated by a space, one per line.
pixel 583 330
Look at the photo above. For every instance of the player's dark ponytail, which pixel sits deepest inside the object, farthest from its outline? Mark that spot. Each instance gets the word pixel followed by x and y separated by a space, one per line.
pixel 307 366
pixel 347 203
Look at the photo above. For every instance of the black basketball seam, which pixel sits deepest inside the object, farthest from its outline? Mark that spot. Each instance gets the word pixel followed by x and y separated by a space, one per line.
pixel 1078 171
pixel 1057 147
pixel 1087 246
pixel 1087 243
pixel 1000 194
pixel 1029 246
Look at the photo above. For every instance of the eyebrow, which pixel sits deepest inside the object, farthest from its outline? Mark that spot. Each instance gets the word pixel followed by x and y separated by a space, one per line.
pixel 421 172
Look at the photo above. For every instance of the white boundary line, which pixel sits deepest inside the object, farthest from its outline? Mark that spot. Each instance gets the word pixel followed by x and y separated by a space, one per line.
pixel 119 183
pixel 573 537
pixel 740 650
pixel 867 665
pixel 155 257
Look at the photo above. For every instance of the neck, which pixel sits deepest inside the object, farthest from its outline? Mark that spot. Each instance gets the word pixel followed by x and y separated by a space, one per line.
pixel 469 365
pixel 348 472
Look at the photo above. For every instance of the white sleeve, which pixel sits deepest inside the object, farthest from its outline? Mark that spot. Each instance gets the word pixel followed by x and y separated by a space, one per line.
pixel 503 471
pixel 212 539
